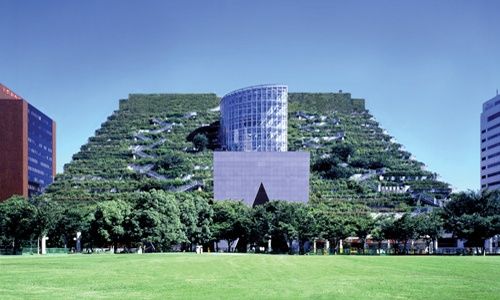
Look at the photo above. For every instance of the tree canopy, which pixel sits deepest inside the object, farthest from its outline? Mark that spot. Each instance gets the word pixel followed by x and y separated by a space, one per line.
pixel 474 216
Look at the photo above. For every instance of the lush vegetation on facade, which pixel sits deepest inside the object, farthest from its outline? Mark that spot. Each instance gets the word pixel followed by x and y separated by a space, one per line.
pixel 143 146
pixel 139 180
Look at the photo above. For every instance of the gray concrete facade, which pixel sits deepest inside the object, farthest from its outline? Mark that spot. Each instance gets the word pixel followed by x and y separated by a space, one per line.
pixel 284 175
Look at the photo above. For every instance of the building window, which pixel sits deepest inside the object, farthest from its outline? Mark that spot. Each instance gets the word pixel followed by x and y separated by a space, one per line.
pixel 493 116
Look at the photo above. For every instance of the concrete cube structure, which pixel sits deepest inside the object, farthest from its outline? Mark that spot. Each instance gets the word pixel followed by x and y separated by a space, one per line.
pixel 248 175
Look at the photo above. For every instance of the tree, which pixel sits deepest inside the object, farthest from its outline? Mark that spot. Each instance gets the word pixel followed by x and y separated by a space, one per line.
pixel 172 165
pixel 200 142
pixel 72 219
pixel 108 224
pixel 474 216
pixel 156 220
pixel 306 225
pixel 404 230
pixel 342 151
pixel 231 221
pixel 285 223
pixel 429 227
pixel 338 172
pixel 327 225
pixel 363 225
pixel 325 164
pixel 329 167
pixel 378 234
pixel 333 222
pixel 261 224
pixel 17 217
pixel 370 161
pixel 196 217
pixel 47 214
pixel 388 230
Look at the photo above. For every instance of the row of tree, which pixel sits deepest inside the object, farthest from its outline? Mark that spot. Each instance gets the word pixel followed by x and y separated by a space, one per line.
pixel 163 220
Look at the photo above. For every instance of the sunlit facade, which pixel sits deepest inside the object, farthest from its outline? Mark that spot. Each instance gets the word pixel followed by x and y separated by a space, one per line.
pixel 255 119
pixel 27 147
pixel 490 144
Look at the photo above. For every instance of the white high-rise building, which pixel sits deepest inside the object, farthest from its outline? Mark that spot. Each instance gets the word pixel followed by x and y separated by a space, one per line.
pixel 490 144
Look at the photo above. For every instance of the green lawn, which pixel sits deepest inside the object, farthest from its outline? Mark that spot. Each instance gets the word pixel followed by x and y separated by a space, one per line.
pixel 213 276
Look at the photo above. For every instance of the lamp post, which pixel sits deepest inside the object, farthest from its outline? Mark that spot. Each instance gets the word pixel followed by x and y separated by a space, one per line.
pixel 44 244
pixel 427 239
pixel 78 240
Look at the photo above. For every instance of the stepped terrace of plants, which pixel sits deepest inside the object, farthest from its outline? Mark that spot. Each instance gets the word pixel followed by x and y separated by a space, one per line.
pixel 143 146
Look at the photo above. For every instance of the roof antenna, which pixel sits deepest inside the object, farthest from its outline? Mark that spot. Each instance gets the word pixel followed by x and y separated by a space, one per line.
pixel 497 92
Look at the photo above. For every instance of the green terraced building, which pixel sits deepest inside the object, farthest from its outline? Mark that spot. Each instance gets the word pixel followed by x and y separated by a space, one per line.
pixel 144 145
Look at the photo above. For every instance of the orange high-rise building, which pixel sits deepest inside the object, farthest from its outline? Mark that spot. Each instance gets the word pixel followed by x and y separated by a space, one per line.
pixel 27 147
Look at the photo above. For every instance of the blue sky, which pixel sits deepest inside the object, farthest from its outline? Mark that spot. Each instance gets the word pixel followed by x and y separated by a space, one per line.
pixel 424 67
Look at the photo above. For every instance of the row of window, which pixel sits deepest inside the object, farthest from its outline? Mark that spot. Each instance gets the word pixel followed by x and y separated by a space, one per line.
pixel 242 134
pixel 493 165
pixel 255 120
pixel 490 175
pixel 493 146
pixel 491 184
pixel 494 116
pixel 493 136
pixel 491 156
pixel 36 171
pixel 256 109
pixel 490 128
pixel 492 105
pixel 494 155
pixel 494 127
pixel 240 101
pixel 263 124
pixel 39 154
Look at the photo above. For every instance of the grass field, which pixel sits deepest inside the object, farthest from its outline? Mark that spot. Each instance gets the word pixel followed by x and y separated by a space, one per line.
pixel 215 276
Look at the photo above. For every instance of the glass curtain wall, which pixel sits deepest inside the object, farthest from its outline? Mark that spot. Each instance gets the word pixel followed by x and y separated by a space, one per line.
pixel 39 151
pixel 255 119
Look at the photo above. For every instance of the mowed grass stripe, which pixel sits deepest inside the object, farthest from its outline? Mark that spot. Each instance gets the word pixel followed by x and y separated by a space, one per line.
pixel 226 276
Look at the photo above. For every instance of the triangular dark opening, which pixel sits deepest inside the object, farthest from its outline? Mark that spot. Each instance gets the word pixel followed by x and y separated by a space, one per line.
pixel 261 197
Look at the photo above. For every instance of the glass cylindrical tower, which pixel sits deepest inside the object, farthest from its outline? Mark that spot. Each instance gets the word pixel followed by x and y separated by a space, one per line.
pixel 255 119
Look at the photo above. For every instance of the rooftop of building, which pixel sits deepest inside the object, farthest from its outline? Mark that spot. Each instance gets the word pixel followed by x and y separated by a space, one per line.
pixel 492 102
pixel 259 86
pixel 8 94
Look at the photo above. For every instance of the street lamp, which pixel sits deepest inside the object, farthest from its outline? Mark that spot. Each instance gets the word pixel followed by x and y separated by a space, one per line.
pixel 427 239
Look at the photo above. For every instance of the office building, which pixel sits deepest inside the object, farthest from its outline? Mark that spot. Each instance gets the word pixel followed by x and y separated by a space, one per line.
pixel 490 144
pixel 27 148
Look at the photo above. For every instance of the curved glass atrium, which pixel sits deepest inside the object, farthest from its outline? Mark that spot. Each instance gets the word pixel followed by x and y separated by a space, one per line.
pixel 255 119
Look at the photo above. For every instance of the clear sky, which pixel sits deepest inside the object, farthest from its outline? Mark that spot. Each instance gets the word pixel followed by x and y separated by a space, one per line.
pixel 424 67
